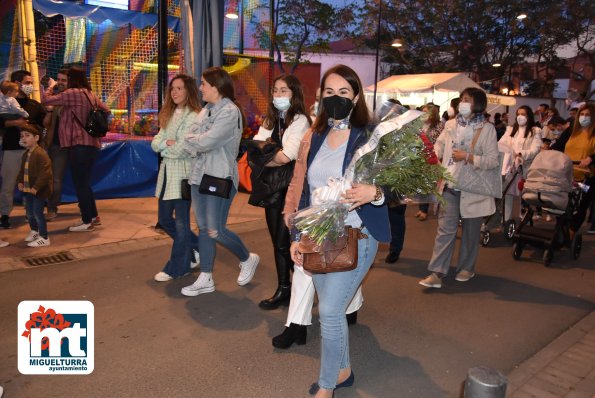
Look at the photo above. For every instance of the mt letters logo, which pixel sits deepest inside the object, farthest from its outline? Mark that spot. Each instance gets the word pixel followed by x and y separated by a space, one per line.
pixel 56 337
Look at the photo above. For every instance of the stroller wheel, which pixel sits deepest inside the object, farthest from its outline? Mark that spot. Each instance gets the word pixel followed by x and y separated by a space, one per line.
pixel 509 229
pixel 485 238
pixel 517 250
pixel 576 245
pixel 548 256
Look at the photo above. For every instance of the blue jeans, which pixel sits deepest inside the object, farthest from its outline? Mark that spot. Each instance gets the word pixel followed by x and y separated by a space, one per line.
pixel 178 228
pixel 34 208
pixel 211 217
pixel 82 158
pixel 335 291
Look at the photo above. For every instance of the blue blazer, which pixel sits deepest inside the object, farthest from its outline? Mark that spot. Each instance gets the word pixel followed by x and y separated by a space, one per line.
pixel 375 218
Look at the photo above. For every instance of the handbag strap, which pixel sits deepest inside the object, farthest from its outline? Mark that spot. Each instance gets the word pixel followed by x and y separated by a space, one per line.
pixel 475 138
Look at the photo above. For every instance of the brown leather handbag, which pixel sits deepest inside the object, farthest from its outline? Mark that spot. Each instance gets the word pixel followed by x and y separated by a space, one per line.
pixel 331 256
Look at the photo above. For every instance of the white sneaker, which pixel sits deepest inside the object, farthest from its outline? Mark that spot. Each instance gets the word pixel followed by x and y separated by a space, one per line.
pixel 39 242
pixel 82 228
pixel 248 268
pixel 196 263
pixel 3 243
pixel 162 277
pixel 33 235
pixel 204 284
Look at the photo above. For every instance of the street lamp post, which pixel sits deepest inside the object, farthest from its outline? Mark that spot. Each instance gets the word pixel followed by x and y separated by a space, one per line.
pixel 377 54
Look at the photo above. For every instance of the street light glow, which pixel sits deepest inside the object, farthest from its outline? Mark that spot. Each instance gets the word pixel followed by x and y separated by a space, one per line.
pixel 232 15
pixel 522 16
pixel 397 43
pixel 496 65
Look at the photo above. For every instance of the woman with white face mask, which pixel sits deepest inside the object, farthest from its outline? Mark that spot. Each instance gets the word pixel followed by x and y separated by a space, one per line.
pixel 578 142
pixel 524 140
pixel 469 140
pixel 285 124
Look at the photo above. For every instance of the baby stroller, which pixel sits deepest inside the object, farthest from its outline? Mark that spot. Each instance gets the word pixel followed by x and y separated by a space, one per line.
pixel 549 184
pixel 508 226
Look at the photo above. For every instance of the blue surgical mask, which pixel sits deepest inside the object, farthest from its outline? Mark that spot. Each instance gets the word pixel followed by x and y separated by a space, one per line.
pixel 281 103
pixel 584 121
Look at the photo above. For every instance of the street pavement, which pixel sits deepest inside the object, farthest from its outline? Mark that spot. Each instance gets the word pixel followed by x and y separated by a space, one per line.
pixel 518 317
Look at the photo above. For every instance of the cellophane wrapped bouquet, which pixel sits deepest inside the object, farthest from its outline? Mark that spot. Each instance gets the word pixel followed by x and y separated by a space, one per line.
pixel 395 157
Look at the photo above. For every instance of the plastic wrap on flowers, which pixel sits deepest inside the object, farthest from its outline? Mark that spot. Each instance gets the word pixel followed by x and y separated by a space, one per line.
pixel 394 157
pixel 325 218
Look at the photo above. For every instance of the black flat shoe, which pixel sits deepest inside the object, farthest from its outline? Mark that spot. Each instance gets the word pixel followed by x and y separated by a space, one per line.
pixel 351 318
pixel 281 297
pixel 293 334
pixel 348 382
pixel 392 257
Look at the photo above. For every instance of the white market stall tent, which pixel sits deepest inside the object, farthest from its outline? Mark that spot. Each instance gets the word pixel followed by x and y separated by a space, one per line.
pixel 438 88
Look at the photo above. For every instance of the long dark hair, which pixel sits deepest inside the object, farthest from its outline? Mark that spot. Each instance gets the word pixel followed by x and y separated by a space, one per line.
pixel 296 103
pixel 220 79
pixel 433 115
pixel 77 78
pixel 360 116
pixel 530 122
pixel 192 101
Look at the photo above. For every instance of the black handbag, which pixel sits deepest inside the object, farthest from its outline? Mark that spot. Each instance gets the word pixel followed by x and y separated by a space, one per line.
pixel 215 186
pixel 185 189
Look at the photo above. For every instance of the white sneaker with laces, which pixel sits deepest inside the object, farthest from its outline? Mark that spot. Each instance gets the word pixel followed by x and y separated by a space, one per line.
pixel 204 284
pixel 464 276
pixel 247 269
pixel 33 235
pixel 432 280
pixel 82 228
pixel 162 277
pixel 3 243
pixel 39 242
pixel 194 264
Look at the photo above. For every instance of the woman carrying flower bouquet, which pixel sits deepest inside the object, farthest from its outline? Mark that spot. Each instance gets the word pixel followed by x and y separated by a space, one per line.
pixel 469 140
pixel 325 152
pixel 285 125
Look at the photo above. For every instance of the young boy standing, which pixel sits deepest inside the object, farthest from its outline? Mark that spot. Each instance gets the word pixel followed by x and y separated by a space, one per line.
pixel 35 181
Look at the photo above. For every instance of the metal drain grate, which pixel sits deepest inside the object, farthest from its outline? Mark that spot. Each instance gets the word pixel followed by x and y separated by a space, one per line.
pixel 56 258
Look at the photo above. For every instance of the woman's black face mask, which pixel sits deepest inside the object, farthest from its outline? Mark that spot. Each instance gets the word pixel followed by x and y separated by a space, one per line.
pixel 337 107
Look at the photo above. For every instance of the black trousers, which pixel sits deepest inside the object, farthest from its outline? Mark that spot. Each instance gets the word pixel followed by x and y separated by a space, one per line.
pixel 281 243
pixel 583 207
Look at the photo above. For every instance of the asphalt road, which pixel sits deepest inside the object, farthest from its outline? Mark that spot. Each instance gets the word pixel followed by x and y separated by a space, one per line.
pixel 409 341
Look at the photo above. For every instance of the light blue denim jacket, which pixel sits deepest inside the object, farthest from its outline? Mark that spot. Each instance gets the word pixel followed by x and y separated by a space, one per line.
pixel 215 141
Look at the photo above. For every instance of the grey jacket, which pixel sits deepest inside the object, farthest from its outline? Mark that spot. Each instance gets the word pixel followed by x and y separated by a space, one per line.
pixel 215 141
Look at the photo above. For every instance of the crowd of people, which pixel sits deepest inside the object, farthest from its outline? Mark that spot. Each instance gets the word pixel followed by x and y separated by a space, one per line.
pixel 296 150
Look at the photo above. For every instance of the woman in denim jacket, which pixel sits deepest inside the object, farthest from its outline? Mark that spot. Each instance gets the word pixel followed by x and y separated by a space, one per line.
pixel 215 142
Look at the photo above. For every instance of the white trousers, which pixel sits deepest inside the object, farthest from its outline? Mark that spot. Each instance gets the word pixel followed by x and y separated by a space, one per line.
pixel 302 298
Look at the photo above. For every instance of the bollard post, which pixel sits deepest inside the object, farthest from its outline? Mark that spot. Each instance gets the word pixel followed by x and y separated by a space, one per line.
pixel 483 382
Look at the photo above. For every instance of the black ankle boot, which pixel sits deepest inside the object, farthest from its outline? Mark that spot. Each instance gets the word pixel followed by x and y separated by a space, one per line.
pixel 293 334
pixel 351 318
pixel 281 297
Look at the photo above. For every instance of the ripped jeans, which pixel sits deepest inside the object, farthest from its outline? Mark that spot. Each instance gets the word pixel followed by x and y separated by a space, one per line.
pixel 211 217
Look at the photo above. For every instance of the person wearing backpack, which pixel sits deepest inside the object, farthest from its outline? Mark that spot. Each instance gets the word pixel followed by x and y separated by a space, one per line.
pixel 77 101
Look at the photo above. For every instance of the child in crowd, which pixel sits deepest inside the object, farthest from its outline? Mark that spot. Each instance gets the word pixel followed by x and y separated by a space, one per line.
pixel 35 181
pixel 545 144
pixel 9 107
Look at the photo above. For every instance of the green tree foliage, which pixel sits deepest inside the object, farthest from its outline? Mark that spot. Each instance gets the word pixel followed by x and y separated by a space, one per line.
pixel 471 35
pixel 302 26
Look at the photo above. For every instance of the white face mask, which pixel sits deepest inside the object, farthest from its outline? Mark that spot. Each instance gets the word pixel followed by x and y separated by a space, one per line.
pixel 584 121
pixel 451 111
pixel 521 120
pixel 27 89
pixel 281 103
pixel 465 109
pixel 22 143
